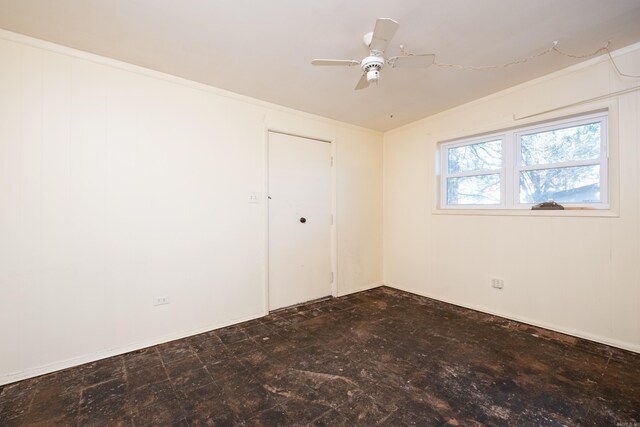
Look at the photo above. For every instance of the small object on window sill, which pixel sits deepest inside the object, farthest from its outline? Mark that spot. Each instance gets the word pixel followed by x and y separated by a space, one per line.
pixel 547 206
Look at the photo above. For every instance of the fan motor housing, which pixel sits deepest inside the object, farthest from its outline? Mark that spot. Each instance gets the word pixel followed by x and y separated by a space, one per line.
pixel 372 62
pixel 372 66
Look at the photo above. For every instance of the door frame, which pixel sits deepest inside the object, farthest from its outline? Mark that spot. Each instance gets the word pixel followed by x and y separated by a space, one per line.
pixel 334 235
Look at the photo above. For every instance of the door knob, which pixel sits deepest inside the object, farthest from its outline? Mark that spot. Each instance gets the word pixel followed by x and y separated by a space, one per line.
pixel 303 220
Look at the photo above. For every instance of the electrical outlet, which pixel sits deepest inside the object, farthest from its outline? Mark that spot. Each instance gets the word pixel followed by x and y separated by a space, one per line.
pixel 497 283
pixel 160 300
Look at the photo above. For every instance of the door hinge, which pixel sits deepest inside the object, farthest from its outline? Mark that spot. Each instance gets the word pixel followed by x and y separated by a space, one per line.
pixel 331 219
pixel 331 160
pixel 331 277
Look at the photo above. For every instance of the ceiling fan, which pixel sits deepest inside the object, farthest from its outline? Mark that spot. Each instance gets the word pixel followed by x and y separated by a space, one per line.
pixel 377 41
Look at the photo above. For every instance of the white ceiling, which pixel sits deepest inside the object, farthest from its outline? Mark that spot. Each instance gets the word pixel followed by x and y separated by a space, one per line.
pixel 263 49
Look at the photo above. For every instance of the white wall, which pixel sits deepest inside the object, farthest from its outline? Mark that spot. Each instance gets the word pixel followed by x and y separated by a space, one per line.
pixel 359 178
pixel 118 184
pixel 574 273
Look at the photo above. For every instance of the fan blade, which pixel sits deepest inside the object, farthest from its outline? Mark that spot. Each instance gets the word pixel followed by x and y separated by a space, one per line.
pixel 411 61
pixel 383 33
pixel 344 62
pixel 363 83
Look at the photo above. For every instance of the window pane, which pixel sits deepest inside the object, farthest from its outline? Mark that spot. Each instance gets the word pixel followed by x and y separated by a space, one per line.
pixel 579 184
pixel 474 190
pixel 561 145
pixel 475 157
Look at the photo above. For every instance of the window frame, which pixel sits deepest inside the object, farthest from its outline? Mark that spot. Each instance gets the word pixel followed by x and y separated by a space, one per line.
pixel 445 170
pixel 512 163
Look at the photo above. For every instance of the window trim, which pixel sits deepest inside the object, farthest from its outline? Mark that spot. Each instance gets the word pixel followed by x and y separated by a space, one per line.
pixel 511 163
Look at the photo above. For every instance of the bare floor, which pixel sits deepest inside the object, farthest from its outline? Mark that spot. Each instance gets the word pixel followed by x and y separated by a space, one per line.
pixel 380 357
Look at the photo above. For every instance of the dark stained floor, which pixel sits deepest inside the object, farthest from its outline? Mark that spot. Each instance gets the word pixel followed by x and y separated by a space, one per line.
pixel 380 357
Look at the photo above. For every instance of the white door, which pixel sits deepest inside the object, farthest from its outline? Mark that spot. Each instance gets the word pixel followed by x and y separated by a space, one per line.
pixel 299 220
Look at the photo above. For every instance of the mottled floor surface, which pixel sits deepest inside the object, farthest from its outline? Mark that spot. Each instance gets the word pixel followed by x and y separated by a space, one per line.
pixel 378 357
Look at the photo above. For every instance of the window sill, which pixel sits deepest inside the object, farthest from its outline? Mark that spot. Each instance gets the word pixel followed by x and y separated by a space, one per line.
pixel 596 213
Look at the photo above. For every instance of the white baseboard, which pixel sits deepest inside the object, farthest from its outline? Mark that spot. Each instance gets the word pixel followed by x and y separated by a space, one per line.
pixel 342 293
pixel 103 354
pixel 580 334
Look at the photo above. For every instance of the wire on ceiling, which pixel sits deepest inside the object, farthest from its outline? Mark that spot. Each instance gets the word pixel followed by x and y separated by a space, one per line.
pixel 553 48
pixel 620 73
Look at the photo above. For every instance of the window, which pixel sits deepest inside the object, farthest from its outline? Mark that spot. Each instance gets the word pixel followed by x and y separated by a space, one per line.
pixel 564 161
pixel 474 172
